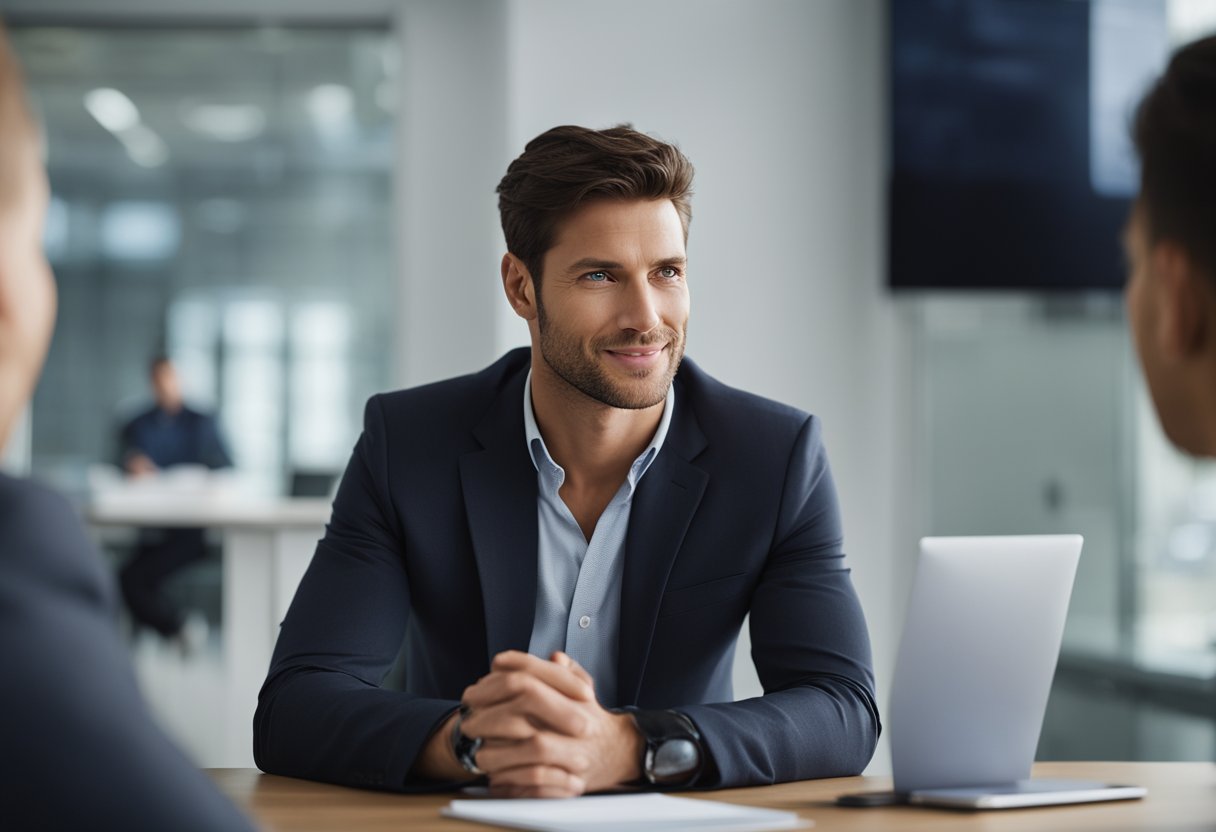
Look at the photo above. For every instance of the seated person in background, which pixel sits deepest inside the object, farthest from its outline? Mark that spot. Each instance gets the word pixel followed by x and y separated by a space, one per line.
pixel 78 749
pixel 1170 241
pixel 569 542
pixel 167 434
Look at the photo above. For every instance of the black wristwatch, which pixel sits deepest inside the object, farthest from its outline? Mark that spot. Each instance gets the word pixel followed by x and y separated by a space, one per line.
pixel 673 754
pixel 465 748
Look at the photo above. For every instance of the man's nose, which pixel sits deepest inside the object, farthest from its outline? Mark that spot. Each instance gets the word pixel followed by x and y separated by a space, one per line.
pixel 639 307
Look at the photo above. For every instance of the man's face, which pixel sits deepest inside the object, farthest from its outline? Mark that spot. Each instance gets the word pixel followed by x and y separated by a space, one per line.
pixel 612 306
pixel 166 387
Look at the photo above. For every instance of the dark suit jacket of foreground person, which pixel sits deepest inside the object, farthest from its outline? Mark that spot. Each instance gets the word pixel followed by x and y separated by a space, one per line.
pixel 434 536
pixel 77 747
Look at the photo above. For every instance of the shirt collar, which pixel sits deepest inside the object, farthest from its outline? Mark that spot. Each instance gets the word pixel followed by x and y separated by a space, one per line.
pixel 544 463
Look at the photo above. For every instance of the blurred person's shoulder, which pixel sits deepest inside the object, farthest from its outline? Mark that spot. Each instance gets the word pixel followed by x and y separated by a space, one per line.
pixel 139 417
pixel 41 536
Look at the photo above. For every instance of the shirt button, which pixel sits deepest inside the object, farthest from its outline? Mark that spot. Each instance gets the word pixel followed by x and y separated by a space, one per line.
pixel 585 622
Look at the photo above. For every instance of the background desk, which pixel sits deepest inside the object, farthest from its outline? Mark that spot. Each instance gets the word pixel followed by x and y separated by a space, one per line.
pixel 267 544
pixel 1182 796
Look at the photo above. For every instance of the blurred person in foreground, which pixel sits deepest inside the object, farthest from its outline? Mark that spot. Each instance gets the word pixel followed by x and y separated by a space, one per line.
pixel 570 539
pixel 79 749
pixel 1170 240
pixel 167 434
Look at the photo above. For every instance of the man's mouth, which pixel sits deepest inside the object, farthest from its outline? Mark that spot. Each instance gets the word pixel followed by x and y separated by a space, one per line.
pixel 638 352
pixel 636 358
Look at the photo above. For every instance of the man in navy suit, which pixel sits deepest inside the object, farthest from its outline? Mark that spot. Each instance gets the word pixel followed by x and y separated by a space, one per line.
pixel 569 540
pixel 79 749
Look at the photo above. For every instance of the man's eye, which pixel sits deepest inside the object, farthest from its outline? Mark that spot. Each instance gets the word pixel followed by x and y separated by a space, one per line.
pixel 596 277
pixel 669 272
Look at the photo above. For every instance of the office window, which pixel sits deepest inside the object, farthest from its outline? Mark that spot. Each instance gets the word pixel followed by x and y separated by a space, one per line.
pixel 223 195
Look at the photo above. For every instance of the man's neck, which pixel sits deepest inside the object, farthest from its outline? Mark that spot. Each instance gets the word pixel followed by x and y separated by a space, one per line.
pixel 595 444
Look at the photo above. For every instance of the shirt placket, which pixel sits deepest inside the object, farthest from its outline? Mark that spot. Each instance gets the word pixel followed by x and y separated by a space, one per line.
pixel 587 626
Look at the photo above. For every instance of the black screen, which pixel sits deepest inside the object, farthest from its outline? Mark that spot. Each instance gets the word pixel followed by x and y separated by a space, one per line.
pixel 994 180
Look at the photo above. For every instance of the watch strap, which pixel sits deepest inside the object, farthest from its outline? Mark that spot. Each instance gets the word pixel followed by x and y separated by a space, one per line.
pixel 465 748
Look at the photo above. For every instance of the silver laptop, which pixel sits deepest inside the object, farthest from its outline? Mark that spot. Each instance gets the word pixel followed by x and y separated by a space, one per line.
pixel 974 669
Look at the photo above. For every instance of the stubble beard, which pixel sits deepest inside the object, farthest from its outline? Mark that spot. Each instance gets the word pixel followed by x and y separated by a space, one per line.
pixel 565 356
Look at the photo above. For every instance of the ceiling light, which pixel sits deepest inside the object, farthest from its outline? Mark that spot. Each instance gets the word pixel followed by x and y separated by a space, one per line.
pixel 113 110
pixel 145 148
pixel 330 106
pixel 225 122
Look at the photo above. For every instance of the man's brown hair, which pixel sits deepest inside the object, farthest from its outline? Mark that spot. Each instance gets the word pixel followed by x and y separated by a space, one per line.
pixel 1175 134
pixel 566 167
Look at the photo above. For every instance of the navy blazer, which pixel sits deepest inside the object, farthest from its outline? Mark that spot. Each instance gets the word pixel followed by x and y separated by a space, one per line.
pixel 434 538
pixel 78 748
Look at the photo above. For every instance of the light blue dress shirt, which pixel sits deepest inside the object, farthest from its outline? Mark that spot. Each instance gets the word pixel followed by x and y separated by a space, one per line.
pixel 578 582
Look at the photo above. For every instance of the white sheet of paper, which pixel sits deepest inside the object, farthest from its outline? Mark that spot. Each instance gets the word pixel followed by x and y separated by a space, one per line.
pixel 618 813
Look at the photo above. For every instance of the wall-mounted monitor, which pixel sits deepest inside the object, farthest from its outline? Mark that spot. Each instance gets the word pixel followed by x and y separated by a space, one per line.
pixel 1011 161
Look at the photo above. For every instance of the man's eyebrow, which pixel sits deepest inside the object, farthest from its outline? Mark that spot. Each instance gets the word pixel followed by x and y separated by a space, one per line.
pixel 592 263
pixel 588 263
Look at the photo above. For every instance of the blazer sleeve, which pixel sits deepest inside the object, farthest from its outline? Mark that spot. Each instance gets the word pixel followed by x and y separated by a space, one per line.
pixel 322 713
pixel 80 750
pixel 818 716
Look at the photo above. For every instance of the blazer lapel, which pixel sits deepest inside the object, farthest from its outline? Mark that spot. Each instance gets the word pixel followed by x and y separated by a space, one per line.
pixel 499 484
pixel 663 507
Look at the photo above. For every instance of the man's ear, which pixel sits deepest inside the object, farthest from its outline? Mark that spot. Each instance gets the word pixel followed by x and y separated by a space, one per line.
pixel 1184 324
pixel 517 283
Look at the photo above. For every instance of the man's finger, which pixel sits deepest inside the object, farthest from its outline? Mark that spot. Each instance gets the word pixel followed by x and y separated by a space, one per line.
pixel 564 660
pixel 498 722
pixel 522 692
pixel 536 781
pixel 560 678
pixel 541 749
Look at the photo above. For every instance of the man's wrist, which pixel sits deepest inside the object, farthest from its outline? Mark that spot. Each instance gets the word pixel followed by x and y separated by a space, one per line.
pixel 634 748
pixel 671 752
pixel 436 761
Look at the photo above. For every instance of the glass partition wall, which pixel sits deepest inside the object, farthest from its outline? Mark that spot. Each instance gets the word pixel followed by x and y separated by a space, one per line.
pixel 222 196
pixel 1035 419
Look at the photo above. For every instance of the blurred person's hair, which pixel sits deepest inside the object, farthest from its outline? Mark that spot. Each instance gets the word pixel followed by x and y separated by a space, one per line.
pixel 566 167
pixel 1175 134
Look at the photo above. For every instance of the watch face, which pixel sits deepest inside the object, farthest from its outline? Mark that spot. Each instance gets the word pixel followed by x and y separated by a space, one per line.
pixel 674 760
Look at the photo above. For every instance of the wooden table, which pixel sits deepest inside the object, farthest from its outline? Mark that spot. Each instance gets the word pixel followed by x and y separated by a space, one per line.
pixel 1181 796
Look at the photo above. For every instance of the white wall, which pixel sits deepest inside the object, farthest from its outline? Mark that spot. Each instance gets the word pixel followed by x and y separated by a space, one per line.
pixel 779 104
pixel 451 131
